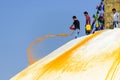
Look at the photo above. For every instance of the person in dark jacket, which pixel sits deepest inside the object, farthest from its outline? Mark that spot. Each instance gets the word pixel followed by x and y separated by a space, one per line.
pixel 76 25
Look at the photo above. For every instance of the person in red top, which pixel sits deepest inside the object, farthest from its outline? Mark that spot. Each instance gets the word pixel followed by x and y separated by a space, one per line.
pixel 88 22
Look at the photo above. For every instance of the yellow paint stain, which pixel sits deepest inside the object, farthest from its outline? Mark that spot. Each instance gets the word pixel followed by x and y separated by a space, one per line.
pixel 70 62
pixel 111 73
pixel 59 62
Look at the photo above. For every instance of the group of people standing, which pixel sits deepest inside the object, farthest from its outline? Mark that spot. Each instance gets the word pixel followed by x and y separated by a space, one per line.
pixel 98 22
pixel 76 24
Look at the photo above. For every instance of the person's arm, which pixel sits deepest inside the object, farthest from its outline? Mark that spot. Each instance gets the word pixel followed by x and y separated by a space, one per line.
pixel 73 24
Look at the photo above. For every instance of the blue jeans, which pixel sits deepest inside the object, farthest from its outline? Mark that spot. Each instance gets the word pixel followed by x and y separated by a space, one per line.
pixel 115 23
pixel 77 31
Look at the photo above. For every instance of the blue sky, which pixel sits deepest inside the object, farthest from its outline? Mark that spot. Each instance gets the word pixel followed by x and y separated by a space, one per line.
pixel 22 21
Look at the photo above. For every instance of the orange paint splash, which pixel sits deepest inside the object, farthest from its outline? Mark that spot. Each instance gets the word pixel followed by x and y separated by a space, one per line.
pixel 30 55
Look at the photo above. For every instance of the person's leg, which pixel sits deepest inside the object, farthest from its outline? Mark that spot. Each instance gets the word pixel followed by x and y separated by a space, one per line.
pixel 89 32
pixel 77 31
pixel 86 32
pixel 115 23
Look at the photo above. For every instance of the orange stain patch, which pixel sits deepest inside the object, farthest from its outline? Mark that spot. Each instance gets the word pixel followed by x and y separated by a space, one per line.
pixel 59 63
pixel 82 61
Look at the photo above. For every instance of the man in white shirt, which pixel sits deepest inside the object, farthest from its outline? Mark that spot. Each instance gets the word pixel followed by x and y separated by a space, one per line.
pixel 115 18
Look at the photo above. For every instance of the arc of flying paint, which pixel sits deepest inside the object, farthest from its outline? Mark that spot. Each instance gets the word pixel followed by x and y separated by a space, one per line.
pixel 30 55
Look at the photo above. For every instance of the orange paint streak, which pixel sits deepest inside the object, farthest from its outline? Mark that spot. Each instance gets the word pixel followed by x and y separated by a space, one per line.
pixel 30 55
pixel 111 73
pixel 59 62
pixel 70 62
